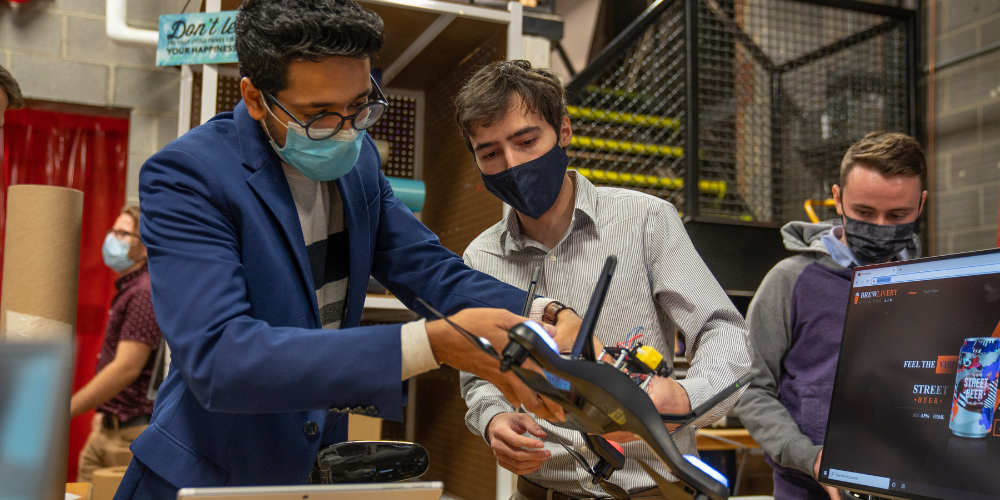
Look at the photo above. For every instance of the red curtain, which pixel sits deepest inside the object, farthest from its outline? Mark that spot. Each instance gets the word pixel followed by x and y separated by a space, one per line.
pixel 89 153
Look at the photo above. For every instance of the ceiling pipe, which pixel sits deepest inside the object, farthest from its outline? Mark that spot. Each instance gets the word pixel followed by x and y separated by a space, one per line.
pixel 119 30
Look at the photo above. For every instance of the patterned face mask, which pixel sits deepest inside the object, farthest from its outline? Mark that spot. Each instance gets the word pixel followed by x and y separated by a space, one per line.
pixel 874 243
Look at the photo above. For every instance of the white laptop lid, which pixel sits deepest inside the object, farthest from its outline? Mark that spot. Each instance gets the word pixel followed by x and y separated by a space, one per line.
pixel 424 490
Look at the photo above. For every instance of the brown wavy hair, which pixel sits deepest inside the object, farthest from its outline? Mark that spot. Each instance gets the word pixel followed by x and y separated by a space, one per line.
pixel 888 153
pixel 488 94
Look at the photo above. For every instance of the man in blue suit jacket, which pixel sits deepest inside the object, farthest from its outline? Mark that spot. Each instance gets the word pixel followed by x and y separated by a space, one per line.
pixel 250 221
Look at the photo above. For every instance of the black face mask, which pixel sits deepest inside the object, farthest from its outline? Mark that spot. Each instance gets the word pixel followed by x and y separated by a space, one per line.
pixel 874 243
pixel 532 187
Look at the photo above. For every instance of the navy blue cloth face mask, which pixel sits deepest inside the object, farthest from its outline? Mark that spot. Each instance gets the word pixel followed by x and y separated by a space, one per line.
pixel 532 187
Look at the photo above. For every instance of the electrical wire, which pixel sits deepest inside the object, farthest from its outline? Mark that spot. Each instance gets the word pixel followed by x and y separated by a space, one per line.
pixel 479 342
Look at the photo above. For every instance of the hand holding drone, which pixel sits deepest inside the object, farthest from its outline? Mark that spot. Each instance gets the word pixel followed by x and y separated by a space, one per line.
pixel 600 398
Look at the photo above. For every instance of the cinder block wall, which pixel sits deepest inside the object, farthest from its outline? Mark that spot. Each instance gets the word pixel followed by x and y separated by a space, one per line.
pixel 58 51
pixel 967 125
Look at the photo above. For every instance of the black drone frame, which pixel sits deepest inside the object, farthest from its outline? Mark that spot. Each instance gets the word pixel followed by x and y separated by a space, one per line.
pixel 600 399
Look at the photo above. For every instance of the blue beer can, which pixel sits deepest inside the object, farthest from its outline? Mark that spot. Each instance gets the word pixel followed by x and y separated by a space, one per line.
pixel 975 393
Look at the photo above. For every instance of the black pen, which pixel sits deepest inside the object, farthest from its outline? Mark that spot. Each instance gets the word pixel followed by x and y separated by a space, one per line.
pixel 526 309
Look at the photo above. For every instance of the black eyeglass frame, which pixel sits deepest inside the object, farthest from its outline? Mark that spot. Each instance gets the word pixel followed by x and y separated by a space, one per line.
pixel 381 102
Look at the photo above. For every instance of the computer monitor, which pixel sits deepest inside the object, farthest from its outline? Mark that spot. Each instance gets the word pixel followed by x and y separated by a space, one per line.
pixel 914 398
pixel 35 384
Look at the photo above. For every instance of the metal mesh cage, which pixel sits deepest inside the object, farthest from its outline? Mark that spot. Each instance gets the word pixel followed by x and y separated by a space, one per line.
pixel 628 125
pixel 782 89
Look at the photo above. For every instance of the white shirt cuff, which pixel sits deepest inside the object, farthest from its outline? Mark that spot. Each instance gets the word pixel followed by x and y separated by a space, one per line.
pixel 538 308
pixel 418 357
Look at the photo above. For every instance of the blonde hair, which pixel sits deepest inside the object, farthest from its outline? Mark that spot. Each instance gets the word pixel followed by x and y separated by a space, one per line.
pixel 132 211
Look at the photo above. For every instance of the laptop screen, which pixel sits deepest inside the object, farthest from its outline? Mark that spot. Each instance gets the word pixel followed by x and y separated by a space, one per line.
pixel 34 419
pixel 912 414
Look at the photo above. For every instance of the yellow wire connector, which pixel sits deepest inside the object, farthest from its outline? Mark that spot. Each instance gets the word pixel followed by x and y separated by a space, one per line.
pixel 649 357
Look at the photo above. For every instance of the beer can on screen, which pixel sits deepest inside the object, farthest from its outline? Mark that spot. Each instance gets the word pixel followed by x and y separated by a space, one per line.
pixel 975 387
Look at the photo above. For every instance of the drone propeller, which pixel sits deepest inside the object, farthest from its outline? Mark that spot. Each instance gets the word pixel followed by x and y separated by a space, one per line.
pixel 614 490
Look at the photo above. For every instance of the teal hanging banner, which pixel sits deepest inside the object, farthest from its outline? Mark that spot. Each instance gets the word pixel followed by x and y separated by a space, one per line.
pixel 197 38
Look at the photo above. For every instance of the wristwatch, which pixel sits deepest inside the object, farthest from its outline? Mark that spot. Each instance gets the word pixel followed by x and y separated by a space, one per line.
pixel 551 313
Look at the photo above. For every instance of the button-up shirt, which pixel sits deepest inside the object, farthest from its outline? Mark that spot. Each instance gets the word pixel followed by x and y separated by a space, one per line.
pixel 131 318
pixel 660 284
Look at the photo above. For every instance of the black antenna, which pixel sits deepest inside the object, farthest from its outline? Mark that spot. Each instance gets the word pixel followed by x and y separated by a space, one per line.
pixel 526 308
pixel 585 338
pixel 477 341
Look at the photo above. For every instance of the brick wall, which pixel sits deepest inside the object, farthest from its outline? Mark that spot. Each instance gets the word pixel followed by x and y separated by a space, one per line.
pixel 58 51
pixel 967 126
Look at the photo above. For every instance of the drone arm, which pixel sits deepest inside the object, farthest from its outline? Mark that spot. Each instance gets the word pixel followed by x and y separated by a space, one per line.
pixel 686 419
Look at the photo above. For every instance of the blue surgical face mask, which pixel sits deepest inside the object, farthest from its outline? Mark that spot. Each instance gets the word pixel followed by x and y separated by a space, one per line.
pixel 323 160
pixel 115 253
pixel 531 188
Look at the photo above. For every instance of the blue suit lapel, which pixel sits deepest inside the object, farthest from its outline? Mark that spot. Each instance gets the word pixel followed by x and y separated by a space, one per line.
pixel 269 183
pixel 358 234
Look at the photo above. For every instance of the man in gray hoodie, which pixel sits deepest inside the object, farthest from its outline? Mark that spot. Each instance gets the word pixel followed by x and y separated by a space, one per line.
pixel 796 318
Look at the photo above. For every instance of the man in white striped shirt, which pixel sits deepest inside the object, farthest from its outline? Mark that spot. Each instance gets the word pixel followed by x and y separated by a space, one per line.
pixel 514 120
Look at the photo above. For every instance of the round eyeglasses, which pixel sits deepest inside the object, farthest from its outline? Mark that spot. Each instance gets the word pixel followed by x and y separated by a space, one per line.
pixel 325 125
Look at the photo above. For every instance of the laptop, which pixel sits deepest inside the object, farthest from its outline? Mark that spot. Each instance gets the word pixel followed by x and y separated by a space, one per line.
pixel 913 413
pixel 423 490
pixel 35 384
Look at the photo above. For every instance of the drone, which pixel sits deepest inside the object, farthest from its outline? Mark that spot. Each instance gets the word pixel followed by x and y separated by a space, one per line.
pixel 601 397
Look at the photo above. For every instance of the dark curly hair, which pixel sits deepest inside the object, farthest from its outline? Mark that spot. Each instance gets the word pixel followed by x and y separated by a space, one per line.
pixel 270 34
pixel 9 86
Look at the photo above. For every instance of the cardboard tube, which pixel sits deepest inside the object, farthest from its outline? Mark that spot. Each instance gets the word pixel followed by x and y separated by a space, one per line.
pixel 106 482
pixel 41 262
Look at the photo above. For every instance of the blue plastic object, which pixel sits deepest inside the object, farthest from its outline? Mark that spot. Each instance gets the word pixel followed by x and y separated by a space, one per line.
pixel 707 469
pixel 411 192
pixel 556 382
pixel 540 330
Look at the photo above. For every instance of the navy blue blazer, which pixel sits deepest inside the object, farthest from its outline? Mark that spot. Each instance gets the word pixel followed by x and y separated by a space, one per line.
pixel 255 385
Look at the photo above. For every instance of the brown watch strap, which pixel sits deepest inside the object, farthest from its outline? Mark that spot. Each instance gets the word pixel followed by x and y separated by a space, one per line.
pixel 551 313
